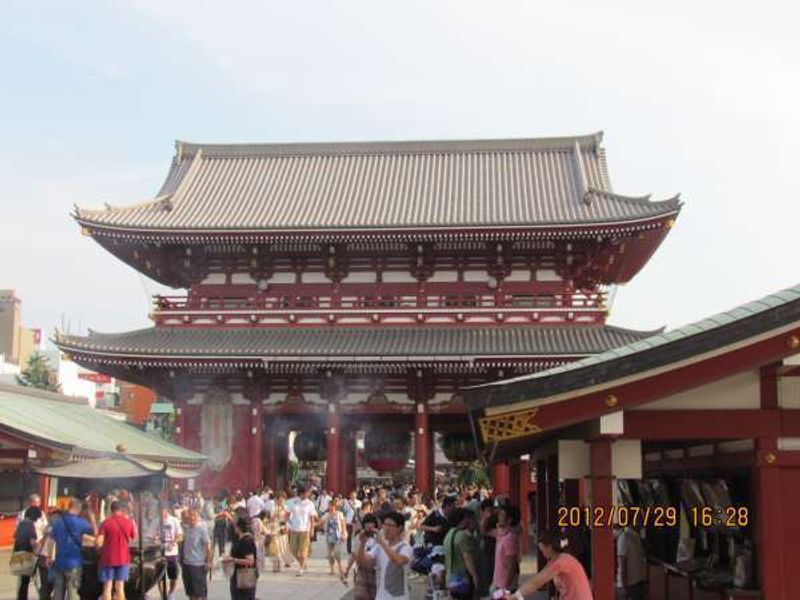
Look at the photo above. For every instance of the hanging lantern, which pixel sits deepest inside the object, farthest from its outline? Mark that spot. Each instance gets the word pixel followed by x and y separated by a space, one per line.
pixel 459 447
pixel 387 451
pixel 309 446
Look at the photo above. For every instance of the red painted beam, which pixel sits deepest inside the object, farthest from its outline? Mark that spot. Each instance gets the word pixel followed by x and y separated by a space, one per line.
pixel 672 381
pixel 602 536
pixel 702 424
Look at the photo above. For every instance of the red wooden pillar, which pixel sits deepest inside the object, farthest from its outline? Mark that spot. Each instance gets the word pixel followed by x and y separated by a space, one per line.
pixel 347 477
pixel 768 509
pixel 769 525
pixel 423 457
pixel 333 450
pixel 552 492
pixel 514 483
pixel 270 441
pixel 541 506
pixel 602 537
pixel 501 479
pixel 256 433
pixel 522 503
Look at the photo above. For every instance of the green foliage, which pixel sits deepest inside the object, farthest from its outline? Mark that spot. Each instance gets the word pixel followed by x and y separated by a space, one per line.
pixel 38 374
pixel 474 473
pixel 294 472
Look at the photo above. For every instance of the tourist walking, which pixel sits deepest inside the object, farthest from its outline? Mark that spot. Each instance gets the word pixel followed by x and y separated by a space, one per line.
pixel 67 568
pixel 278 519
pixel 222 526
pixel 302 521
pixel 352 508
pixel 259 528
pixel 562 569
pixel 170 538
pixel 197 556
pixel 364 584
pixel 460 557
pixel 389 556
pixel 113 540
pixel 243 557
pixel 26 546
pixel 506 556
pixel 335 530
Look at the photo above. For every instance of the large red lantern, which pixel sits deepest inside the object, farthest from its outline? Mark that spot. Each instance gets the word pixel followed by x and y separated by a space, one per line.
pixel 387 452
pixel 459 447
pixel 309 446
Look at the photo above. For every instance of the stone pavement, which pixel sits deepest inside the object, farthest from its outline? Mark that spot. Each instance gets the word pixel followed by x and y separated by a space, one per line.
pixel 317 584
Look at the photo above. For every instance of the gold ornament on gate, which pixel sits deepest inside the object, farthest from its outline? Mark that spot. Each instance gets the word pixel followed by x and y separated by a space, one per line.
pixel 770 458
pixel 794 342
pixel 612 401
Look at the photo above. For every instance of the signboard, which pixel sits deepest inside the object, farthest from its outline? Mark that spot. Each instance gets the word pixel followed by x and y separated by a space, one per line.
pixel 95 377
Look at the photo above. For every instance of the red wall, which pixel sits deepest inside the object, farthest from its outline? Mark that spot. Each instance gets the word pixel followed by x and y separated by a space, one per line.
pixel 790 528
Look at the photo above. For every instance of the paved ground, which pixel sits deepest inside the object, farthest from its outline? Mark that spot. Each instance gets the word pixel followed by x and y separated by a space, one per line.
pixel 315 585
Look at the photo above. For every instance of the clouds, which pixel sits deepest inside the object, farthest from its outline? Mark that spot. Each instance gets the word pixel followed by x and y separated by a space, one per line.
pixel 693 98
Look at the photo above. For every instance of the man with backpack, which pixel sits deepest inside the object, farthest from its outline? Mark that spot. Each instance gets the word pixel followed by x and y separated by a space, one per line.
pixel 67 568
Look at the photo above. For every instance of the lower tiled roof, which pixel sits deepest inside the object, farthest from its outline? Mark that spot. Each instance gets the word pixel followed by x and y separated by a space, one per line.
pixel 356 342
pixel 71 424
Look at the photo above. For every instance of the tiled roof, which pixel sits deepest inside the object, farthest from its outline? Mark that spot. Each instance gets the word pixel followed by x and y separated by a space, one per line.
pixel 383 185
pixel 772 311
pixel 355 342
pixel 68 423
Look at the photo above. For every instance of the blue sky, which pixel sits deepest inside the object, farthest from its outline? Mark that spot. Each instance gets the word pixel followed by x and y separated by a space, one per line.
pixel 697 98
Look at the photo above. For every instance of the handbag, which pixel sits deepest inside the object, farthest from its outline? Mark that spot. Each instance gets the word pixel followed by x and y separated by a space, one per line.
pixel 22 563
pixel 246 578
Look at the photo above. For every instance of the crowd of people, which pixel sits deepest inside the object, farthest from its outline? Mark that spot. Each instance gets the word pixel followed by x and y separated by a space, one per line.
pixel 464 542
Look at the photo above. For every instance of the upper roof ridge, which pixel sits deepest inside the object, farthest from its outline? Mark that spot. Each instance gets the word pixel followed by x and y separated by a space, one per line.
pixel 592 141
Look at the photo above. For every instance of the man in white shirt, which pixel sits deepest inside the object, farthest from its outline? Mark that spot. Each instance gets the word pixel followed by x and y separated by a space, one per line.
pixel 390 557
pixel 268 498
pixel 302 520
pixel 351 507
pixel 171 536
pixel 323 502
pixel 254 505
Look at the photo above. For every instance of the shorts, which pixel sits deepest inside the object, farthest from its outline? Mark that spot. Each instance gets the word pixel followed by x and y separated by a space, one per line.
pixel 172 568
pixel 194 581
pixel 299 543
pixel 118 573
pixel 335 550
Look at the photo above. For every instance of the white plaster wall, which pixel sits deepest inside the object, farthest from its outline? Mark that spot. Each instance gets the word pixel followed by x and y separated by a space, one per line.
pixel 214 279
pixel 789 392
pixel 361 277
pixel 738 392
pixel 519 275
pixel 476 276
pixel 440 277
pixel 282 277
pixel 398 277
pixel 242 278
pixel 547 275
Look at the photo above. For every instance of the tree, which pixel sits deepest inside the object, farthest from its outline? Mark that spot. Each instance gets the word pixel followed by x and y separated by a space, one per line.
pixel 474 473
pixel 38 374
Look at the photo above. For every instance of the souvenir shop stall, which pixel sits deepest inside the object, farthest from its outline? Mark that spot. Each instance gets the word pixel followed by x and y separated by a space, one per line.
pixel 697 430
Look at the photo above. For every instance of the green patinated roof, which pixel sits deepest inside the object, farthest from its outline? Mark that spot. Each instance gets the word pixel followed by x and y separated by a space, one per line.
pixel 724 318
pixel 60 421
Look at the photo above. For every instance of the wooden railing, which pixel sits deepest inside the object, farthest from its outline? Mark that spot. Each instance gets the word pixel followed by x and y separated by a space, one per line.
pixel 193 303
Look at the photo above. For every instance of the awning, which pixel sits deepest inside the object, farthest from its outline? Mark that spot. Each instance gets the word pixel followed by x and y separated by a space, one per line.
pixel 116 468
